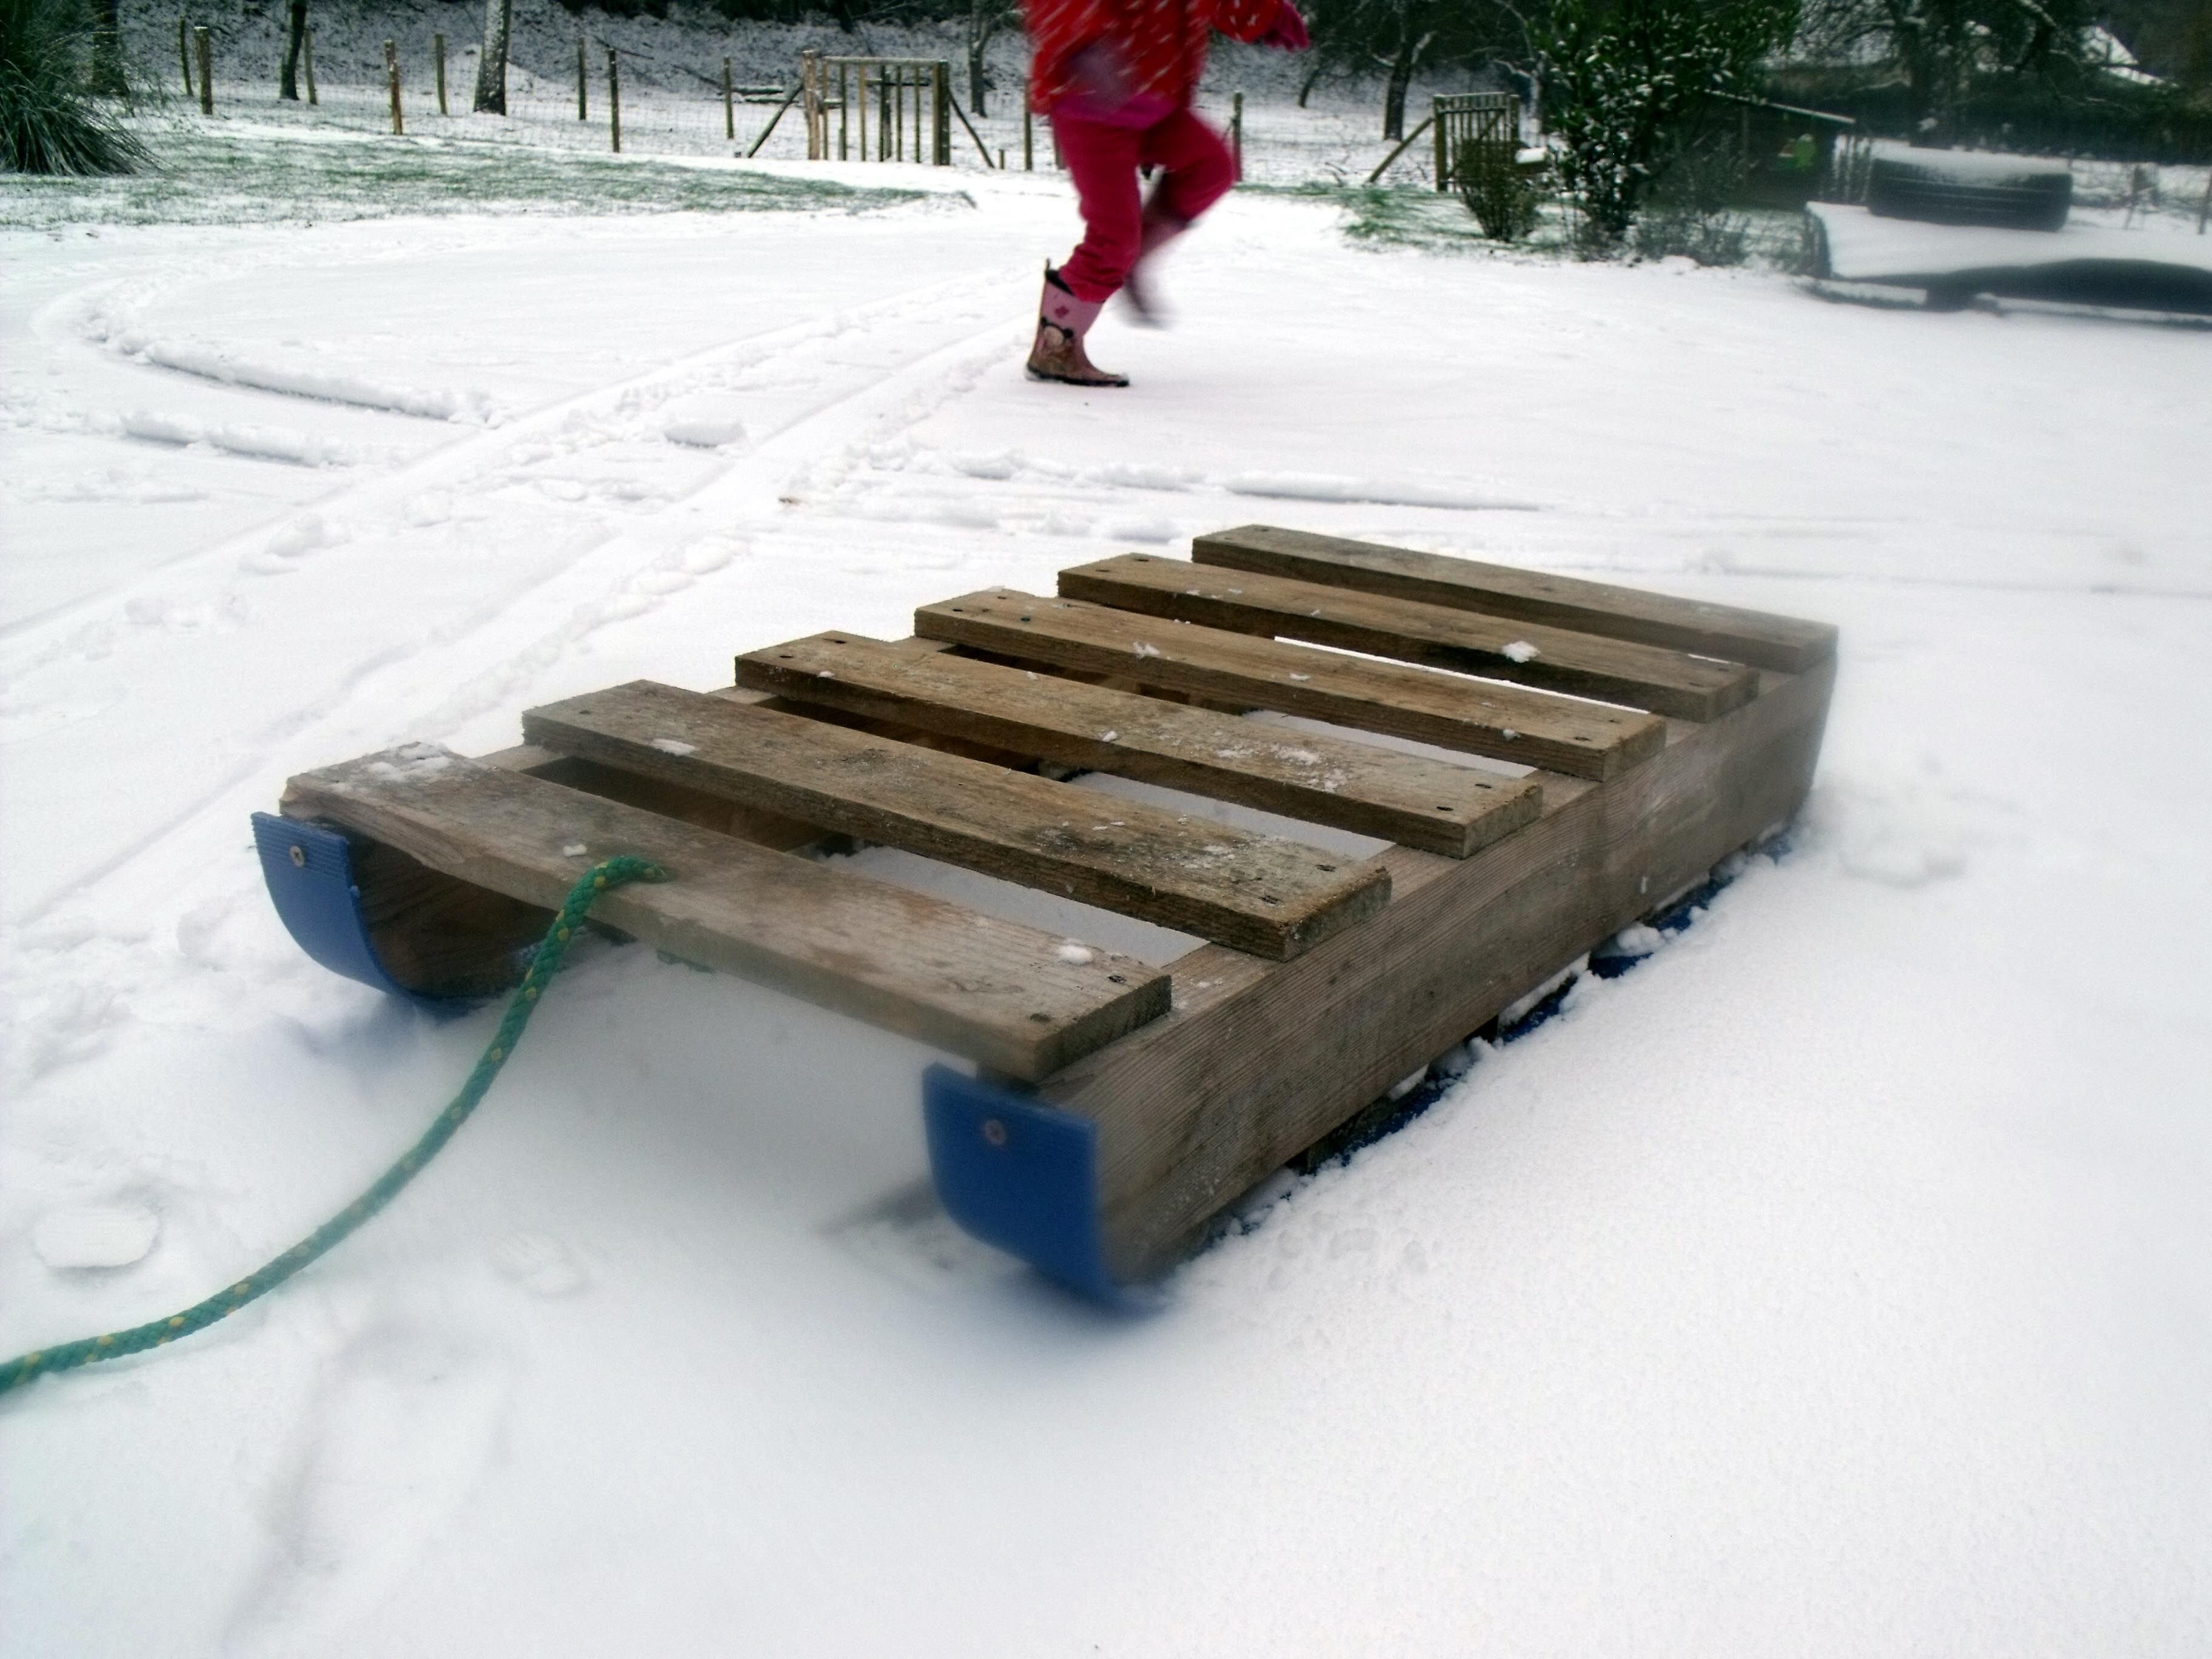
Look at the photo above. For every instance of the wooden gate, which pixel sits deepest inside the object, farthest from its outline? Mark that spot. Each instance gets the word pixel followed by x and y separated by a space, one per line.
pixel 907 100
pixel 1482 118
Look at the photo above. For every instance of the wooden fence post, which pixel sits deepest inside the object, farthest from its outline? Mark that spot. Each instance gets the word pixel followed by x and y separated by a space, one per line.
pixel 307 51
pixel 1237 131
pixel 941 87
pixel 729 107
pixel 810 97
pixel 184 51
pixel 614 100
pixel 203 49
pixel 1444 154
pixel 392 77
pixel 583 102
pixel 1029 132
pixel 438 52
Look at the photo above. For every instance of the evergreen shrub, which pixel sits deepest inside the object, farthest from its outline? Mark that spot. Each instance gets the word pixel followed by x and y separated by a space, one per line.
pixel 49 120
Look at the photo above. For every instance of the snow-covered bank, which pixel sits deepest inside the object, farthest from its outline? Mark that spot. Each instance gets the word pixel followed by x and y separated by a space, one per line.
pixel 1835 1283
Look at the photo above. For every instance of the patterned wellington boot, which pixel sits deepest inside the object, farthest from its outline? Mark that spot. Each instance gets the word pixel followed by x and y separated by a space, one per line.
pixel 1062 321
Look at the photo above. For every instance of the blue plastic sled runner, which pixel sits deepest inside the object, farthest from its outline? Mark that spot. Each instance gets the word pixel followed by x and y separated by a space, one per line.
pixel 1617 744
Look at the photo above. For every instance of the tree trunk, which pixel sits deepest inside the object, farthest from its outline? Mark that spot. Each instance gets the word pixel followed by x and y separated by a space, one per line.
pixel 1306 87
pixel 1394 88
pixel 978 40
pixel 491 62
pixel 107 77
pixel 287 85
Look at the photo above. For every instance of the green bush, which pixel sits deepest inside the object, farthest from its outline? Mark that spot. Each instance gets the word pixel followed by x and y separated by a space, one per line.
pixel 1494 186
pixel 1625 82
pixel 1686 210
pixel 49 121
pixel 1502 197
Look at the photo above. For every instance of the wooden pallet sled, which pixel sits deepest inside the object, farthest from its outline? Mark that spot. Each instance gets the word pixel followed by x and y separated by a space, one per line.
pixel 1115 1108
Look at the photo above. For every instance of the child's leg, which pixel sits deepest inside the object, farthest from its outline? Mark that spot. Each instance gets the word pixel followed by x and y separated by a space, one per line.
pixel 1102 160
pixel 1198 167
pixel 1196 172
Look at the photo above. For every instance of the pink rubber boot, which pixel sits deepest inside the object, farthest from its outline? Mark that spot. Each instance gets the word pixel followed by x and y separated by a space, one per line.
pixel 1062 321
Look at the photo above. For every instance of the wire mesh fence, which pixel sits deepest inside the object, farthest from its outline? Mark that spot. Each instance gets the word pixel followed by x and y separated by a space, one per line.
pixel 682 97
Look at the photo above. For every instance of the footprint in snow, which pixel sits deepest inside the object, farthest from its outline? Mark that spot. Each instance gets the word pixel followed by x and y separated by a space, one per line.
pixel 92 1235
pixel 391 1448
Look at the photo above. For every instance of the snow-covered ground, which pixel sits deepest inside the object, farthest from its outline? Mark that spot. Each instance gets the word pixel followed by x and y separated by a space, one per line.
pixel 1839 1282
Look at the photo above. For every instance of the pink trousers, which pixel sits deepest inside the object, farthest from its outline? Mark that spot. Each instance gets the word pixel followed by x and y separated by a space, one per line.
pixel 1196 172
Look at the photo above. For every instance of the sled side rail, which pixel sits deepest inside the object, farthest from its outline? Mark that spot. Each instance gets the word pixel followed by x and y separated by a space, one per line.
pixel 1012 997
pixel 1785 644
pixel 1410 800
pixel 1192 1110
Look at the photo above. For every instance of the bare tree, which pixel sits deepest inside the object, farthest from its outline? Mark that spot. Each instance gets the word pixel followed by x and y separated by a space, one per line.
pixel 295 35
pixel 1402 38
pixel 1940 47
pixel 491 62
pixel 985 19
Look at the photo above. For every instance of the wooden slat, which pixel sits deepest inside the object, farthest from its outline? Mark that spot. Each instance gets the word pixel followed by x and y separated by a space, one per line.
pixel 1583 664
pixel 1583 739
pixel 1786 644
pixel 1010 996
pixel 1256 893
pixel 1195 1108
pixel 1407 799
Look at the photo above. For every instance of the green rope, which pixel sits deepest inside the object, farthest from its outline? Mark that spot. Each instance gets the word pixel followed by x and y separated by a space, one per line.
pixel 602 878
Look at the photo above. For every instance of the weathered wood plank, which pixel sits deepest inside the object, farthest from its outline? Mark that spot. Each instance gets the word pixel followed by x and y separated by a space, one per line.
pixel 1196 1108
pixel 1786 644
pixel 1257 893
pixel 1582 665
pixel 1407 799
pixel 658 795
pixel 1583 739
pixel 1012 997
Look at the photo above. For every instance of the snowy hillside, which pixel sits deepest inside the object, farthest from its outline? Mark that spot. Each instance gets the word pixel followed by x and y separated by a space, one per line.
pixel 1837 1282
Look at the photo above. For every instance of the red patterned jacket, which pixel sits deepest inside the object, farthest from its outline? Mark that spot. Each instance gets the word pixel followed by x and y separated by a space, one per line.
pixel 1162 42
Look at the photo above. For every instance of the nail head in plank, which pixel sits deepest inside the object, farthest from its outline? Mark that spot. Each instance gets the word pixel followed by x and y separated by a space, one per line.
pixel 1583 739
pixel 1257 893
pixel 1010 996
pixel 1553 658
pixel 1410 800
pixel 1789 645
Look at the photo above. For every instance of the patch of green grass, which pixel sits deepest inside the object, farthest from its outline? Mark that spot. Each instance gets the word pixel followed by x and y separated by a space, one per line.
pixel 1384 217
pixel 204 175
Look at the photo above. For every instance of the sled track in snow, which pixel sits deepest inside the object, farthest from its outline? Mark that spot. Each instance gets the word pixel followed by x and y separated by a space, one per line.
pixel 610 571
pixel 458 461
